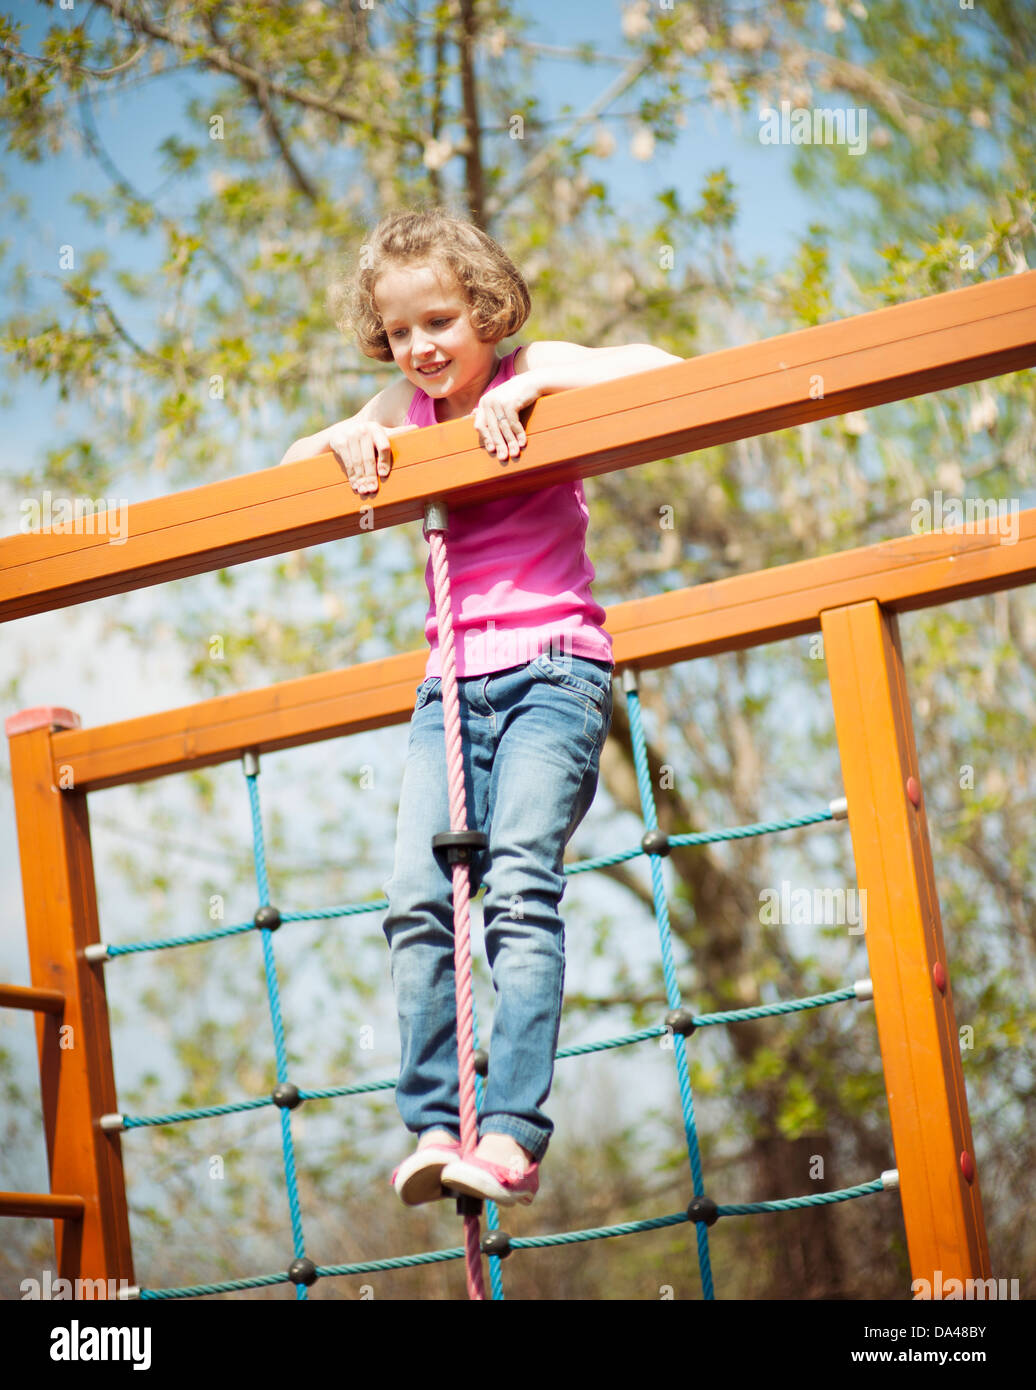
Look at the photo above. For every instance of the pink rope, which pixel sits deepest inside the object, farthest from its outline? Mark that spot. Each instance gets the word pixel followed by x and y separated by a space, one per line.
pixel 461 895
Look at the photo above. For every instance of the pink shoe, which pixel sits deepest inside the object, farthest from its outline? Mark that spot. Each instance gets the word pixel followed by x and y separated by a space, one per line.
pixel 417 1179
pixel 500 1183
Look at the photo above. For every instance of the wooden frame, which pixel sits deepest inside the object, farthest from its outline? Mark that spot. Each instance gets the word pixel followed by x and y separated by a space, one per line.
pixel 91 1226
pixel 852 598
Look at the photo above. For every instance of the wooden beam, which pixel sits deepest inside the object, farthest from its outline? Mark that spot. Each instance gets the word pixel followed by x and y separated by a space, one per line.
pixel 913 999
pixel 743 611
pixel 888 354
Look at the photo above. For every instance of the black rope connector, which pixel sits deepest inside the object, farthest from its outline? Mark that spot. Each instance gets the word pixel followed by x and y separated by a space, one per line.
pixel 496 1243
pixel 302 1272
pixel 459 843
pixel 703 1209
pixel 286 1095
pixel 481 1061
pixel 655 842
pixel 681 1021
pixel 268 917
pixel 468 1205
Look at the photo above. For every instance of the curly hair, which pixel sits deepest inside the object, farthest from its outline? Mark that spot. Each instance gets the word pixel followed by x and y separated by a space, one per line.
pixel 430 235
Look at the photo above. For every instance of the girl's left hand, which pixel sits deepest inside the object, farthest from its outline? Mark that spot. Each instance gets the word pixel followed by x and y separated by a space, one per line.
pixel 496 415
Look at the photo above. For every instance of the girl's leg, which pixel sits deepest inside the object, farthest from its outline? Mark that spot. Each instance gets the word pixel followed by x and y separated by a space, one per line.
pixel 418 924
pixel 553 718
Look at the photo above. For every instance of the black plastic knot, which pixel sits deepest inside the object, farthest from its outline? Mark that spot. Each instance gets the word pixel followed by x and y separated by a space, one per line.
pixel 286 1095
pixel 302 1272
pixel 681 1021
pixel 458 844
pixel 655 842
pixel 496 1243
pixel 268 917
pixel 703 1209
pixel 481 1061
pixel 468 1205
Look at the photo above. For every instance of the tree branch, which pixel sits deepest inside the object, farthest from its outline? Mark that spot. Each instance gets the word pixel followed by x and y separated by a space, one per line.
pixel 222 62
pixel 634 71
pixel 90 134
pixel 63 65
pixel 475 180
pixel 260 88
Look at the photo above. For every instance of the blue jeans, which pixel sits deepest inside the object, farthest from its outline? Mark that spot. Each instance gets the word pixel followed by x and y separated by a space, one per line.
pixel 532 742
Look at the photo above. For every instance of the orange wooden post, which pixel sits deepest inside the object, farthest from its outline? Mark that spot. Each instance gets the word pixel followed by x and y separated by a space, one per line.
pixel 77 1081
pixel 913 1001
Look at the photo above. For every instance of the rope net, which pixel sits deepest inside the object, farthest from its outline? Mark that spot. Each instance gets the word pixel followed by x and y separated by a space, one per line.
pixel 680 1022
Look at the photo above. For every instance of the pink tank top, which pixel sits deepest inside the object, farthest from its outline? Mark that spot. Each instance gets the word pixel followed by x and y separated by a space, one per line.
pixel 519 573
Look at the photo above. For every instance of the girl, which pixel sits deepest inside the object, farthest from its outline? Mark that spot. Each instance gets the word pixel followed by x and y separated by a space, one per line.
pixel 435 295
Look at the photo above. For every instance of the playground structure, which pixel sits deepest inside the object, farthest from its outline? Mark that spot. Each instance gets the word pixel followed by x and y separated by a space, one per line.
pixel 852 598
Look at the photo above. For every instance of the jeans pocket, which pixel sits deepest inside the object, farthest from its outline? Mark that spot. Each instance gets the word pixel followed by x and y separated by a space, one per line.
pixel 581 678
pixel 428 687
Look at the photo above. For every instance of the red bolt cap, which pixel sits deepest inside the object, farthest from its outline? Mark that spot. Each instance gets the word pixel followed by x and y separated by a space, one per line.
pixel 939 976
pixel 914 790
pixel 967 1166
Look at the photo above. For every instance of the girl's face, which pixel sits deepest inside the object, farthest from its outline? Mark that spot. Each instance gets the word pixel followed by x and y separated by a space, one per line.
pixel 428 322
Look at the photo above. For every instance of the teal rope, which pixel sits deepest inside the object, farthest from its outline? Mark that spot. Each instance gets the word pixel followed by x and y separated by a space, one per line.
pixel 140 1121
pixel 815 1001
pixel 708 837
pixel 626 1228
pixel 672 988
pixel 359 1088
pixel 742 832
pixel 817 1199
pixel 705 837
pixel 228 1286
pixel 524 1243
pixel 584 1049
pixel 280 1049
pixel 791 1006
pixel 207 1112
pixel 133 947
pixel 196 938
pixel 496 1278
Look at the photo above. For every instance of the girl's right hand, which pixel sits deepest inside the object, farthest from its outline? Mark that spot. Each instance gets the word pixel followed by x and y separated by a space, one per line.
pixel 364 450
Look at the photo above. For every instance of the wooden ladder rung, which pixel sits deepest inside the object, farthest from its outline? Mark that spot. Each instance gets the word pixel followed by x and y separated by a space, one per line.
pixel 42 1001
pixel 50 1204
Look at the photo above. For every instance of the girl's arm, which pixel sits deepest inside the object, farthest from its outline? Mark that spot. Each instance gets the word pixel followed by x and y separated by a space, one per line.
pixel 558 366
pixel 554 366
pixel 388 408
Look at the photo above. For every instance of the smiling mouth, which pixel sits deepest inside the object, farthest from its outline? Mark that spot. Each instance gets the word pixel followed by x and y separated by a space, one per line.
pixel 435 368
